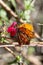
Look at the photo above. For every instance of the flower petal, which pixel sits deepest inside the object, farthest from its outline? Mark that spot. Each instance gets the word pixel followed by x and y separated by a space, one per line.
pixel 14 24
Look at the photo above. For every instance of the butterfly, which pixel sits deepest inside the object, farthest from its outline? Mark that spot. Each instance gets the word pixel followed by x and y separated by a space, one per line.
pixel 25 33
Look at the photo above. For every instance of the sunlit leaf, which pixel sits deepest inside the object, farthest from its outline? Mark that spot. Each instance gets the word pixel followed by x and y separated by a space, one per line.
pixel 6 41
pixel 31 50
pixel 2 40
pixel 3 13
pixel 18 58
pixel 0 23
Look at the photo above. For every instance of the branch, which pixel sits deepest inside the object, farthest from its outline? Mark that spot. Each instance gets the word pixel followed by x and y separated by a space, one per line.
pixel 10 11
pixel 10 51
pixel 38 37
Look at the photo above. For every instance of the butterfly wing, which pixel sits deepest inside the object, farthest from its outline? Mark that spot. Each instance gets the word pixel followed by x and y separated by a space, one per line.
pixel 25 34
pixel 22 37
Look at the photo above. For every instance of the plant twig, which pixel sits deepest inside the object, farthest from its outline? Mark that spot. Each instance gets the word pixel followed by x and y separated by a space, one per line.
pixel 8 45
pixel 10 11
pixel 10 51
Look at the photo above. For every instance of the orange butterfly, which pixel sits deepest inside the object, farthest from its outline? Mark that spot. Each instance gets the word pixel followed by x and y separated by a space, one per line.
pixel 25 33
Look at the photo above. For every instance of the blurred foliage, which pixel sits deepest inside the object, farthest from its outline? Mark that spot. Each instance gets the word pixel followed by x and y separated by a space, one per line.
pixel 31 50
pixel 3 16
pixel 24 14
pixel 18 60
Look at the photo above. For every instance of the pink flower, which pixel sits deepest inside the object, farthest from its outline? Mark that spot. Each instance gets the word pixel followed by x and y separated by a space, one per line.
pixel 14 24
pixel 12 30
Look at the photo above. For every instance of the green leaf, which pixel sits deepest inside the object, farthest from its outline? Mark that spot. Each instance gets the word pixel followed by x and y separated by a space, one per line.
pixel 2 40
pixel 3 13
pixel 31 50
pixel 27 4
pixel 13 3
pixel 19 58
pixel 21 14
pixel 6 41
pixel 0 23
